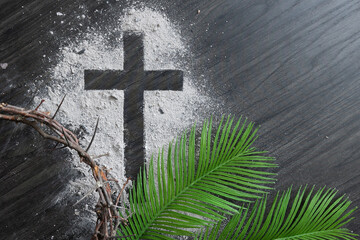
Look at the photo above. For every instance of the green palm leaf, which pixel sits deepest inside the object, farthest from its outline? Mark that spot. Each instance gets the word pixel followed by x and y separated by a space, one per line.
pixel 320 216
pixel 180 193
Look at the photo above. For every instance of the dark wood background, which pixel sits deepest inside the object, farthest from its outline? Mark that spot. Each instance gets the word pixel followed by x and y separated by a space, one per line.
pixel 291 66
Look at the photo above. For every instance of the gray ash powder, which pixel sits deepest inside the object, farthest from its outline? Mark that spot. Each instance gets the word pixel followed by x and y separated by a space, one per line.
pixel 167 113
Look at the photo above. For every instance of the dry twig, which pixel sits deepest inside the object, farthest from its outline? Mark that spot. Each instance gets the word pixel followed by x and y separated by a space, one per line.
pixel 109 218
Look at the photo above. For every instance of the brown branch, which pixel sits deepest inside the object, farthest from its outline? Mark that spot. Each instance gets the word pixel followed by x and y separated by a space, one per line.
pixel 57 110
pixel 67 141
pixel 39 104
pixel 108 216
pixel 122 189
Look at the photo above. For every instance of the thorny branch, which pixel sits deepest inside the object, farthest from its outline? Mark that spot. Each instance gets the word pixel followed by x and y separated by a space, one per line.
pixel 108 217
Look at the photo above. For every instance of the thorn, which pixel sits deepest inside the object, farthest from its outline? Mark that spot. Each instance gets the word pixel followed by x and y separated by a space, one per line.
pixel 121 208
pixel 65 137
pixel 59 107
pixel 92 139
pixel 87 194
pixel 111 180
pixel 58 148
pixel 54 147
pixel 102 155
pixel 39 104
pixel 121 191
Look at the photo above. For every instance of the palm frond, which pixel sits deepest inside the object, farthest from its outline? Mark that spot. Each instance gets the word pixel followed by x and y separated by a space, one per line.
pixel 178 193
pixel 318 216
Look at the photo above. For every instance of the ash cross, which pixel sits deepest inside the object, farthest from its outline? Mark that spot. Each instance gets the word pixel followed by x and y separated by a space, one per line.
pixel 134 80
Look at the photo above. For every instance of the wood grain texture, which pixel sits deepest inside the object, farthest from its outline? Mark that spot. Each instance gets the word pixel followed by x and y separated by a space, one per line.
pixel 290 66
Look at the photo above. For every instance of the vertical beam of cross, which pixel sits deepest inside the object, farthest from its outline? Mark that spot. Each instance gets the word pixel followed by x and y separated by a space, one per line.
pixel 134 81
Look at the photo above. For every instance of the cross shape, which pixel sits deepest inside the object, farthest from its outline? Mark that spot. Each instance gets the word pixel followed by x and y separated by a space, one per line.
pixel 134 80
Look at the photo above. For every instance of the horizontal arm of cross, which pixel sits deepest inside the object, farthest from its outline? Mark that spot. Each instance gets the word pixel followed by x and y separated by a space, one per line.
pixel 164 80
pixel 122 80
